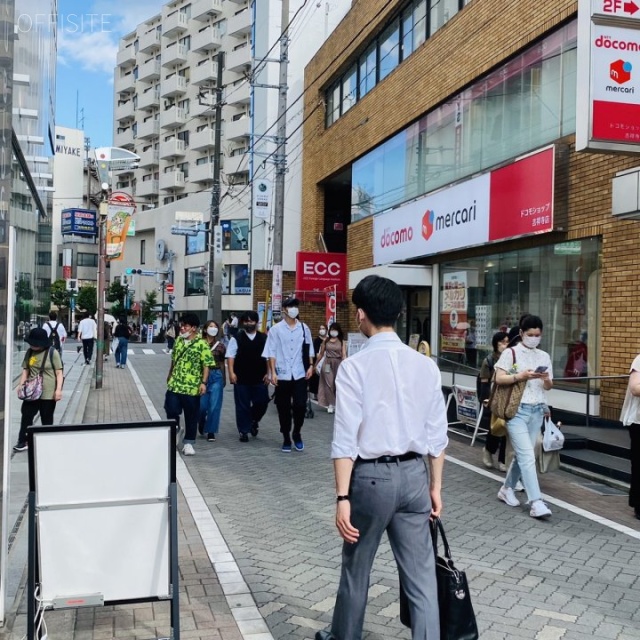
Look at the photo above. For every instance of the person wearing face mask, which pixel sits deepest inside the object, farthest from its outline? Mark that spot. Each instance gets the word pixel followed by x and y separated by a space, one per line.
pixel 249 375
pixel 211 401
pixel 314 381
pixel 334 351
pixel 389 438
pixel 39 351
pixel 526 363
pixel 289 350
pixel 187 379
pixel 499 342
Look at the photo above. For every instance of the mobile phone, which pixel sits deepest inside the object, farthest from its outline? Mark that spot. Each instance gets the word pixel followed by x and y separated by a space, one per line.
pixel 541 369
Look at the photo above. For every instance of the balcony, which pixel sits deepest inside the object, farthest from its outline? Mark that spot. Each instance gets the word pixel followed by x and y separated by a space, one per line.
pixel 204 9
pixel 236 164
pixel 123 138
pixel 174 86
pixel 173 148
pixel 125 111
pixel 174 24
pixel 238 1
pixel 149 99
pixel 124 83
pixel 126 56
pixel 175 54
pixel 239 59
pixel 240 24
pixel 206 40
pixel 149 42
pixel 173 117
pixel 149 70
pixel 237 130
pixel 146 188
pixel 172 180
pixel 239 94
pixel 205 73
pixel 201 172
pixel 149 158
pixel 148 129
pixel 203 110
pixel 204 139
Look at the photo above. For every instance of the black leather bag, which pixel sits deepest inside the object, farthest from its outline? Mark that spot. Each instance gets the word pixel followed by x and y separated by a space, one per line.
pixel 457 619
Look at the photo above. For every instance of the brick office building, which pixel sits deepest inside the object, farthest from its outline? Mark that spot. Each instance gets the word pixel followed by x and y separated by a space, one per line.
pixel 458 111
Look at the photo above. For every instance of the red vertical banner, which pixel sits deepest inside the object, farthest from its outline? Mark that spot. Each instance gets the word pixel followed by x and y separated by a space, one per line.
pixel 330 305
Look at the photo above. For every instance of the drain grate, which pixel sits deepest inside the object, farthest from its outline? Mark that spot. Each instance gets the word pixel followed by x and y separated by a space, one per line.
pixel 600 489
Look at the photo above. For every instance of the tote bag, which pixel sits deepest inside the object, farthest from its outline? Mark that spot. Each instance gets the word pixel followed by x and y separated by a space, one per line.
pixel 505 398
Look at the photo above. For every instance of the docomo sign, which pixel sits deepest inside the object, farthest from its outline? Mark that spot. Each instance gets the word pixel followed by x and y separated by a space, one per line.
pixel 317 271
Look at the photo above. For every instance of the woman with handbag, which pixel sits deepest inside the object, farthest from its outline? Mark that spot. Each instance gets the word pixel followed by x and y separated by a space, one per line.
pixel 334 351
pixel 44 362
pixel 630 417
pixel 523 374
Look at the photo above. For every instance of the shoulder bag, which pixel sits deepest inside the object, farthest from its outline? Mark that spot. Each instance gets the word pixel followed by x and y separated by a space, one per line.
pixel 32 389
pixel 505 398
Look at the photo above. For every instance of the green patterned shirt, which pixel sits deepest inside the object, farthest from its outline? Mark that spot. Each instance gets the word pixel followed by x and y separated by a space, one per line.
pixel 189 360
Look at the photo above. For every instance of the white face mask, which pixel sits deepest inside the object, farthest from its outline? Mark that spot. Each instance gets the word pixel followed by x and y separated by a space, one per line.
pixel 293 312
pixel 185 335
pixel 322 332
pixel 531 341
pixel 333 334
pixel 212 331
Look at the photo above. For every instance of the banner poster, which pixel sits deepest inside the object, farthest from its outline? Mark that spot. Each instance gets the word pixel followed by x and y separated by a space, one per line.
pixel 453 316
pixel 330 305
pixel 118 219
pixel 467 404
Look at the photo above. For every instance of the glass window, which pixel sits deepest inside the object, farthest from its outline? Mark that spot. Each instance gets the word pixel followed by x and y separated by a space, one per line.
pixel 235 235
pixel 197 243
pixel 407 32
pixel 194 281
pixel 368 70
pixel 143 251
pixel 441 12
pixel 349 89
pixel 87 259
pixel 44 258
pixel 419 23
pixel 560 283
pixel 389 50
pixel 240 279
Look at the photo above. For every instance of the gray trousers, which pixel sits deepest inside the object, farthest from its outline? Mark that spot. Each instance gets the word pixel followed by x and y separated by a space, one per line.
pixel 391 497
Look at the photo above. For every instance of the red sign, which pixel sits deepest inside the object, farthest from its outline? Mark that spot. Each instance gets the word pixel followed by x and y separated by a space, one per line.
pixel 330 306
pixel 169 288
pixel 317 271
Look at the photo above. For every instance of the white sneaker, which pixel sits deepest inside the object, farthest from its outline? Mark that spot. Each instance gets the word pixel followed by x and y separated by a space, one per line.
pixel 330 409
pixel 539 509
pixel 487 459
pixel 508 497
pixel 188 450
pixel 502 467
pixel 519 487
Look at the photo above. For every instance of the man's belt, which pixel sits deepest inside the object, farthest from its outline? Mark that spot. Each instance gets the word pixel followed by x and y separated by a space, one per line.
pixel 412 455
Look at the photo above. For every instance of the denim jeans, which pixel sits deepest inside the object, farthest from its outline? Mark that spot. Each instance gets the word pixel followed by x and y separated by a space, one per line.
pixel 121 351
pixel 523 430
pixel 211 403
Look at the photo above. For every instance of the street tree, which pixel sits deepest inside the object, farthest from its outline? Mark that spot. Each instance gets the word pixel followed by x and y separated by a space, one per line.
pixel 150 301
pixel 60 297
pixel 87 299
pixel 24 295
pixel 116 295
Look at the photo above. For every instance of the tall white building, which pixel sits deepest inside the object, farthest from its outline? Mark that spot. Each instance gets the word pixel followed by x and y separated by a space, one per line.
pixel 164 85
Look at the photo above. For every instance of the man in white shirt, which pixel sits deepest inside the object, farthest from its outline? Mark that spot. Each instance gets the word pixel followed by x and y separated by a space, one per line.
pixel 87 332
pixel 56 331
pixel 390 413
pixel 290 353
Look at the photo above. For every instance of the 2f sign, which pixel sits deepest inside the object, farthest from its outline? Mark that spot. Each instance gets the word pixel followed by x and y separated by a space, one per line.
pixel 311 268
pixel 617 7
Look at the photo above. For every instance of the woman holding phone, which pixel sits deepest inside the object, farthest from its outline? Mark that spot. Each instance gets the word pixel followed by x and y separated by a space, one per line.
pixel 526 363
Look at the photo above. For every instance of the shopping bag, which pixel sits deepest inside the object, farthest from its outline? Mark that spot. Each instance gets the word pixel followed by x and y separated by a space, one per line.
pixel 457 618
pixel 552 437
pixel 546 461
pixel 498 427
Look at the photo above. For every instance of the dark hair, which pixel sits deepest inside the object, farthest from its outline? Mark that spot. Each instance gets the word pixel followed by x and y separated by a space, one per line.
pixel 53 315
pixel 530 322
pixel 122 320
pixel 497 338
pixel 250 316
pixel 191 319
pixel 514 336
pixel 380 298
pixel 336 327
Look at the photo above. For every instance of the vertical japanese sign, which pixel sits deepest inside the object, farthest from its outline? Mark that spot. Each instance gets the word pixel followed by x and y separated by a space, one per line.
pixel 453 315
pixel 330 305
pixel 121 208
pixel 262 199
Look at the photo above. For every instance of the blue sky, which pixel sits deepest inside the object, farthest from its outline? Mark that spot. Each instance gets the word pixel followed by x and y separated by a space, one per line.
pixel 88 35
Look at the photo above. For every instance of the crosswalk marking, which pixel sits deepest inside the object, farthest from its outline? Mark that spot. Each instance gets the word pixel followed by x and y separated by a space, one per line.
pixel 148 351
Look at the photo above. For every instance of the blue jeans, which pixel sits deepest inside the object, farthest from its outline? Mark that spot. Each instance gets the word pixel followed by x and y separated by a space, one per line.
pixel 121 351
pixel 523 430
pixel 211 403
pixel 177 403
pixel 252 401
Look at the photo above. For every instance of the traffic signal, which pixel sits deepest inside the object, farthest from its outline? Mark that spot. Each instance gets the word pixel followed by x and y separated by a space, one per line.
pixel 172 301
pixel 133 272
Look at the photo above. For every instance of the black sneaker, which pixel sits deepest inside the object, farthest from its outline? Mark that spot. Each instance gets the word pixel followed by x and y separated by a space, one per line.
pixel 21 446
pixel 255 427
pixel 211 437
pixel 244 437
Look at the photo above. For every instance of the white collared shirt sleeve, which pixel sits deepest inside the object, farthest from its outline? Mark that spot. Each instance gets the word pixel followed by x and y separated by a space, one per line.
pixel 308 338
pixel 348 416
pixel 232 349
pixel 269 350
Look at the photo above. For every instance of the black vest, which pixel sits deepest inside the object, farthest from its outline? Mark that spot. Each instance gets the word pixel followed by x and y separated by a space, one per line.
pixel 249 365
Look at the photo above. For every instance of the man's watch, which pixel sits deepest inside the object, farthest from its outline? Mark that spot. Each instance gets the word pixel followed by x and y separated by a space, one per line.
pixel 341 498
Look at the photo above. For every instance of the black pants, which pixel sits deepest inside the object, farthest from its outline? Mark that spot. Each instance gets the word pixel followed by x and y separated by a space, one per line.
pixel 291 400
pixel 496 443
pixel 30 409
pixel 87 349
pixel 634 491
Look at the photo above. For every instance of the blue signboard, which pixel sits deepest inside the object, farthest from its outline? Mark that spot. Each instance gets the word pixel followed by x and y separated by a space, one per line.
pixel 79 222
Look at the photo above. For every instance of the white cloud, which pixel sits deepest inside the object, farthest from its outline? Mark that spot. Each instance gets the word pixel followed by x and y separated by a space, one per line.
pixel 94 52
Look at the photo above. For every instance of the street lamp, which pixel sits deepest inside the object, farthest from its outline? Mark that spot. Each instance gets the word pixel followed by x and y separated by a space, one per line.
pixel 108 159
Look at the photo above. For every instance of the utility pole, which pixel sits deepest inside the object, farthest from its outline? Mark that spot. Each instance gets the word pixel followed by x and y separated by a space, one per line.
pixel 281 165
pixel 214 311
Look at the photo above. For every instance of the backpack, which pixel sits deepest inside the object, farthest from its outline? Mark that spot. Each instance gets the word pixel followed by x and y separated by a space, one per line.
pixel 54 338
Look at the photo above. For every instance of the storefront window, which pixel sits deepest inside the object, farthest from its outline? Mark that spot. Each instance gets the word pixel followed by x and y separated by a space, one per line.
pixel 236 279
pixel 235 235
pixel 194 282
pixel 197 243
pixel 560 283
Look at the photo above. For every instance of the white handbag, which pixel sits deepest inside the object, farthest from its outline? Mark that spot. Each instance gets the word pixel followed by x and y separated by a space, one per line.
pixel 319 365
pixel 552 437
